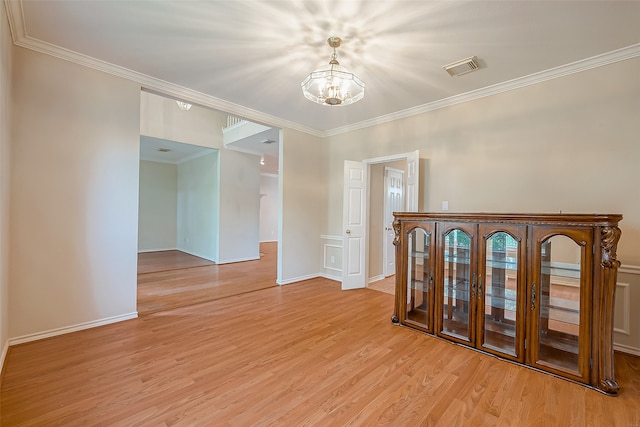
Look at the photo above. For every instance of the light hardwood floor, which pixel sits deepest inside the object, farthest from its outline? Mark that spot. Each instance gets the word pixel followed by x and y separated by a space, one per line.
pixel 171 279
pixel 386 285
pixel 302 354
pixel 155 262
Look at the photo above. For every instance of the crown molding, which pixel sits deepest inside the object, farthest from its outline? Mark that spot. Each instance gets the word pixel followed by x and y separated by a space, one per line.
pixel 20 38
pixel 553 73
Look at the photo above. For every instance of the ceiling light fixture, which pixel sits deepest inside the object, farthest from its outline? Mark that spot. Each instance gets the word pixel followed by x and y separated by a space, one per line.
pixel 184 106
pixel 333 84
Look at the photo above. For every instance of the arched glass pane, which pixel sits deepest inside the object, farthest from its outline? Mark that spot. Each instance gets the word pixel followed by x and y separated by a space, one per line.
pixel 501 293
pixel 559 299
pixel 420 277
pixel 457 284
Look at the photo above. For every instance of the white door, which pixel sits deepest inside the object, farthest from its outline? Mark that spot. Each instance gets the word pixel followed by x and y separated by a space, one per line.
pixel 393 202
pixel 413 174
pixel 353 225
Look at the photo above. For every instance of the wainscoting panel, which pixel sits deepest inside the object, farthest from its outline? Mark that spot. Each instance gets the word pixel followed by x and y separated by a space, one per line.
pixel 332 257
pixel 626 321
pixel 622 310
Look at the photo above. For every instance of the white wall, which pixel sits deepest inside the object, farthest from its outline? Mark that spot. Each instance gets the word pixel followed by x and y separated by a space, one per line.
pixel 158 206
pixel 198 217
pixel 6 51
pixel 304 212
pixel 239 207
pixel 74 196
pixel 569 144
pixel 161 118
pixel 268 208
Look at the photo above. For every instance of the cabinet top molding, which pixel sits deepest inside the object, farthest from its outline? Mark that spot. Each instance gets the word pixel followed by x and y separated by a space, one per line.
pixel 529 218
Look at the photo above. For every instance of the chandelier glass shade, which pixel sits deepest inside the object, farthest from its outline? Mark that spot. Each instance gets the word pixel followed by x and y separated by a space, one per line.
pixel 184 106
pixel 333 84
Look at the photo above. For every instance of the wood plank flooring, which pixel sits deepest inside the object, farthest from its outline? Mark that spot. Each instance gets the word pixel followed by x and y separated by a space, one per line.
pixel 154 262
pixel 171 279
pixel 302 354
pixel 386 285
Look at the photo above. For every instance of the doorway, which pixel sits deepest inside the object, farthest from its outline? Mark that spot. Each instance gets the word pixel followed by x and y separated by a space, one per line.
pixel 387 190
pixel 362 260
pixel 178 254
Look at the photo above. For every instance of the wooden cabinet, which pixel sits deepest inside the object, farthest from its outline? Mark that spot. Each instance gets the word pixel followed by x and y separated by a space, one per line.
pixel 535 289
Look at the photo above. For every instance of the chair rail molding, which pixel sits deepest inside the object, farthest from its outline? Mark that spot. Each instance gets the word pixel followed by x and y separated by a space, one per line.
pixel 629 269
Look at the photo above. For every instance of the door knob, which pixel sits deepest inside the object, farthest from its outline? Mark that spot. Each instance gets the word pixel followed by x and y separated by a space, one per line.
pixel 348 231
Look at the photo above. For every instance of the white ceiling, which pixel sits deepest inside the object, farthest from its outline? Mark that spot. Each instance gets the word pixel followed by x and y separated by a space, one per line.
pixel 153 150
pixel 249 57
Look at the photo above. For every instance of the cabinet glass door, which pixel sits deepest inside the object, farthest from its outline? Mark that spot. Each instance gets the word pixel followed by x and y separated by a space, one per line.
pixel 557 298
pixel 420 279
pixel 456 302
pixel 501 277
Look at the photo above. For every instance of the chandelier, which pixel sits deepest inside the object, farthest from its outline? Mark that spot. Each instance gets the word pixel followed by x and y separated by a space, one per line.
pixel 333 84
pixel 184 106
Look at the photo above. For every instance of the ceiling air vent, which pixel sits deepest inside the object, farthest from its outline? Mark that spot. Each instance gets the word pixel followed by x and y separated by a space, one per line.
pixel 268 141
pixel 462 67
pixel 163 150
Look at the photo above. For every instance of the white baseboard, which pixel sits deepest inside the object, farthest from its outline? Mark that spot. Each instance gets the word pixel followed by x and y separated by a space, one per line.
pixel 268 241
pixel 325 276
pixel 331 277
pixel 229 261
pixel 626 349
pixel 310 276
pixel 298 279
pixel 197 254
pixel 142 251
pixel 67 329
pixel 376 278
pixel 3 356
